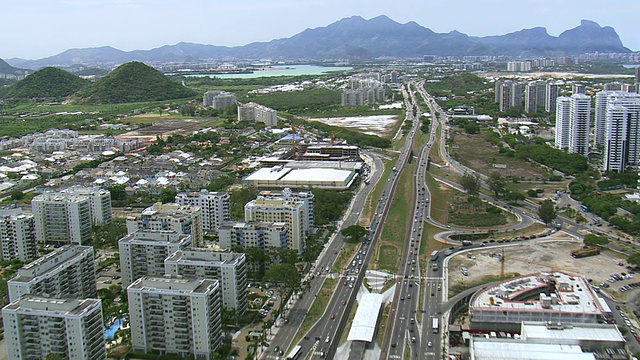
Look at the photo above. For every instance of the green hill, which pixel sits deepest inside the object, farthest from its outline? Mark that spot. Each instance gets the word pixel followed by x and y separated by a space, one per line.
pixel 133 82
pixel 49 82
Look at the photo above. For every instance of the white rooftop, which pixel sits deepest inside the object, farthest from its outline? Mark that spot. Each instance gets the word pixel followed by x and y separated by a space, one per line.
pixel 572 294
pixel 590 332
pixel 317 175
pixel 273 174
pixel 366 318
pixel 520 350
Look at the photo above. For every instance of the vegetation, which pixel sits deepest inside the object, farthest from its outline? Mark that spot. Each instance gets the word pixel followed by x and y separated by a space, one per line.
pixel 471 183
pixel 329 205
pixel 547 211
pixel 133 82
pixel 595 240
pixel 351 136
pixel 467 210
pixel 49 82
pixel 354 233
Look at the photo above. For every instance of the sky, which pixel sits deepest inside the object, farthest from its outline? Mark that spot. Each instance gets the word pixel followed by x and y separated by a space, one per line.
pixel 34 29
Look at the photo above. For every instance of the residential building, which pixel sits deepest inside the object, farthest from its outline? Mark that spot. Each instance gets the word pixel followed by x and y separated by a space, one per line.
pixel 621 127
pixel 578 89
pixel 294 209
pixel 534 96
pixel 219 99
pixel 62 218
pixel 551 94
pixel 563 111
pixel 579 123
pixel 175 315
pixel 253 234
pixel 257 113
pixel 35 327
pixel 227 267
pixel 17 235
pixel 68 271
pixel 600 117
pixel 613 86
pixel 214 206
pixel 143 252
pixel 183 219
pixel 510 95
pixel 99 203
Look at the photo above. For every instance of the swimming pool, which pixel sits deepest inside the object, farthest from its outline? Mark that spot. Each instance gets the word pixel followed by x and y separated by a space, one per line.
pixel 110 332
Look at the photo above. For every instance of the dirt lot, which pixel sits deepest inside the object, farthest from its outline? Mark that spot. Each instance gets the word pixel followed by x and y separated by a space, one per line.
pixel 167 127
pixel 530 257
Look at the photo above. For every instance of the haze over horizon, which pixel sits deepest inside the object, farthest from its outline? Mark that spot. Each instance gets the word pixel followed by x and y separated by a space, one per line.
pixel 53 26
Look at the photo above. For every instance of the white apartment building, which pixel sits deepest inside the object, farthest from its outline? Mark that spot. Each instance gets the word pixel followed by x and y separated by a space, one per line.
pixel 258 113
pixel 62 218
pixel 99 202
pixel 175 315
pixel 294 209
pixel 618 128
pixel 218 99
pixel 68 271
pixel 183 219
pixel 227 267
pixel 579 123
pixel 253 234
pixel 563 111
pixel 17 235
pixel 143 252
pixel 35 327
pixel 214 206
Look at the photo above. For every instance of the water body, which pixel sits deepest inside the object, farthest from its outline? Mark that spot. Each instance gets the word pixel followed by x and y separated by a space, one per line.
pixel 110 332
pixel 288 70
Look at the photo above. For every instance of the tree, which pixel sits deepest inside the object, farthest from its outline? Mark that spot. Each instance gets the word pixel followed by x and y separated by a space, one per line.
pixel 547 211
pixel 595 240
pixel 167 196
pixel 634 259
pixel 17 195
pixel 497 184
pixel 471 183
pixel 286 279
pixel 354 233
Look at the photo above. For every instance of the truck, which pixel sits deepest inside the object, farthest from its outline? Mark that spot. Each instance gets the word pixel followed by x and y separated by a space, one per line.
pixel 585 251
pixel 435 325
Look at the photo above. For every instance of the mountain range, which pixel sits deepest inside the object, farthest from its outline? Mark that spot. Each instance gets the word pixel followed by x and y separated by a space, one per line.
pixel 358 38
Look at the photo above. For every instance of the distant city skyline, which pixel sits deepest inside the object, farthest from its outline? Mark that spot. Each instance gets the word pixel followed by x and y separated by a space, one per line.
pixel 43 28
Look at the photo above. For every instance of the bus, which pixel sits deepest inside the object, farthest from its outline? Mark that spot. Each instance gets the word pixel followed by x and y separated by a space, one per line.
pixel 294 353
pixel 435 325
pixel 434 255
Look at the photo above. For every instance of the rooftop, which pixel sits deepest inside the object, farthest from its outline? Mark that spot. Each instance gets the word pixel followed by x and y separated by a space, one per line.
pixel 366 318
pixel 567 293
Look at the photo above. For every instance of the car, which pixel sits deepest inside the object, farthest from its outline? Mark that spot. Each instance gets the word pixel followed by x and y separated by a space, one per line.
pixel 344 283
pixel 617 307
pixel 413 339
pixel 393 345
pixel 401 297
pixel 408 296
pixel 344 302
pixel 429 344
pixel 327 339
pixel 276 349
pixel 333 316
pixel 281 352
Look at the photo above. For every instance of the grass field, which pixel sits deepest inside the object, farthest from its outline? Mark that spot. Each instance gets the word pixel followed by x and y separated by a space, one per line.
pixel 475 152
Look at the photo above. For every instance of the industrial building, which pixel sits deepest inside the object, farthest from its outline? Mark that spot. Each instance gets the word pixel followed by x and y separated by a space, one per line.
pixel 551 297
